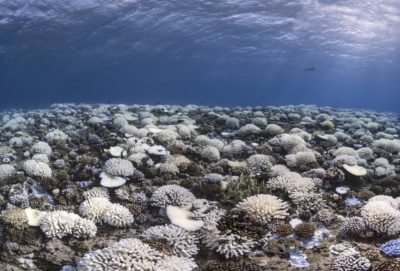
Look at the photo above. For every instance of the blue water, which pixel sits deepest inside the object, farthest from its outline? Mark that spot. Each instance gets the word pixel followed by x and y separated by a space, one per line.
pixel 343 53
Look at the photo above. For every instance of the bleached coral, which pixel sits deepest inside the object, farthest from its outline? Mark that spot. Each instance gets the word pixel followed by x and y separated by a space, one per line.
pixel 388 144
pixel 96 192
pixel 302 160
pixel 37 169
pixel 210 153
pixel 94 207
pixel 182 217
pixel 61 223
pixel 264 208
pixel 14 216
pixel 174 263
pixel 259 163
pixel 310 201
pixel 291 142
pixel 274 129
pixel 7 171
pixel 119 167
pixel 182 242
pixel 171 195
pixel 39 157
pixel 235 148
pixel 381 217
pixel 117 216
pixel 350 261
pixel 292 182
pixel 57 136
pixel 42 148
pixel 225 243
pixel 127 254
pixel 248 129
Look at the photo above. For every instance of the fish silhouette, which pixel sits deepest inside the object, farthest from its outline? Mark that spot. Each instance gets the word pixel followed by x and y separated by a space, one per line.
pixel 309 69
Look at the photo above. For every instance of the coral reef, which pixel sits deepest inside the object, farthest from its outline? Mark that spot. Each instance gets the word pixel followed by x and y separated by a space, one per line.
pixel 86 187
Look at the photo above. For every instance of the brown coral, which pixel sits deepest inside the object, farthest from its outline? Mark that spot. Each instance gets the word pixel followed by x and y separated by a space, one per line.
pixel 305 230
pixel 387 265
pixel 238 265
pixel 159 244
pixel 236 222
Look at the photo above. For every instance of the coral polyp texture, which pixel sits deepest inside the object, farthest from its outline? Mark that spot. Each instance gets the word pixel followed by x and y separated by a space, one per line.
pixel 87 187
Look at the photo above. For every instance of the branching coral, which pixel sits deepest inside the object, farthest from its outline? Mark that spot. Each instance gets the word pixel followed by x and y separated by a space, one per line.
pixel 381 217
pixel 37 169
pixel 171 195
pixel 127 254
pixel 61 223
pixel 119 167
pixel 264 208
pixel 183 243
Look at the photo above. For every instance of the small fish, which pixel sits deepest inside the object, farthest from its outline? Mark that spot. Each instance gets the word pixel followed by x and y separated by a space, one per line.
pixel 309 69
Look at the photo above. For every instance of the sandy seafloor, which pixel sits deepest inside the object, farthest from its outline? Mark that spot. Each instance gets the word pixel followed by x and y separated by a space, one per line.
pixel 180 188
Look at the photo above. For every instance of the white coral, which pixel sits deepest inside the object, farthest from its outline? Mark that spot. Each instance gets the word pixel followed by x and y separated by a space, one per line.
pixel 264 208
pixel 56 136
pixel 171 195
pixel 119 167
pixel 94 207
pixel 174 263
pixel 42 148
pixel 37 169
pixel 6 171
pixel 127 254
pixel 292 182
pixel 259 163
pixel 118 216
pixel 182 242
pixel 381 217
pixel 61 223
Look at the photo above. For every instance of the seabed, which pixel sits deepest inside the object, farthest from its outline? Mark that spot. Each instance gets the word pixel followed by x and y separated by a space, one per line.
pixel 179 188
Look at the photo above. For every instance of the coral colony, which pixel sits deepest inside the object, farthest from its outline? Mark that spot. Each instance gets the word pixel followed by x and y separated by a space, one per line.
pixel 180 188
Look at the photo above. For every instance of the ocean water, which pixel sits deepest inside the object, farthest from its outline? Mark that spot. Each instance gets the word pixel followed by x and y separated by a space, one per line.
pixel 229 52
pixel 226 135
